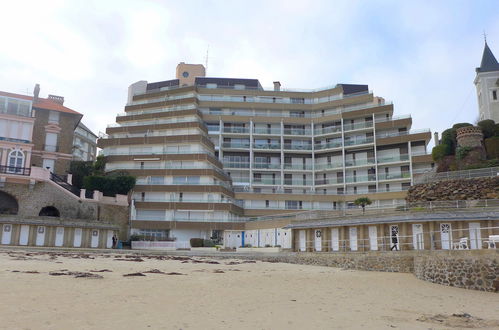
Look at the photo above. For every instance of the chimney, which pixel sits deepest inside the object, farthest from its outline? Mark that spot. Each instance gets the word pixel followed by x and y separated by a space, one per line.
pixel 277 86
pixel 435 136
pixel 36 92
pixel 56 99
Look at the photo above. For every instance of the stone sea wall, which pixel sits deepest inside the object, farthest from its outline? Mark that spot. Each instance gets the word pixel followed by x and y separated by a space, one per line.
pixel 463 189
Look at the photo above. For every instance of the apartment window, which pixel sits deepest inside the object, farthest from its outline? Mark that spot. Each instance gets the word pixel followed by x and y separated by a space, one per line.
pixel 387 187
pixel 340 191
pixel 494 95
pixel 16 161
pixel 180 196
pixel 186 179
pixel 294 205
pixel 157 179
pixel 51 142
pixel 267 203
pixel 355 190
pixel 142 196
pixel 406 185
pixel 297 100
pixel 53 117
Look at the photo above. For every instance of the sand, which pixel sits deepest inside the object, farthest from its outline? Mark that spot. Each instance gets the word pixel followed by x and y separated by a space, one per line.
pixel 227 295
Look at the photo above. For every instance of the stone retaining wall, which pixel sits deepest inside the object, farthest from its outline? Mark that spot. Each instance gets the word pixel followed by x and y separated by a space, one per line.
pixel 476 272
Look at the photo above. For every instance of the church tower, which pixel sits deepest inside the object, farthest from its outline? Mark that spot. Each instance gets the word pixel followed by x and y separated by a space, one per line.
pixel 487 86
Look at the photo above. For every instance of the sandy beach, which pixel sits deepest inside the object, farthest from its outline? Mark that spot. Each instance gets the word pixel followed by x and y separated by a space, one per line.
pixel 42 290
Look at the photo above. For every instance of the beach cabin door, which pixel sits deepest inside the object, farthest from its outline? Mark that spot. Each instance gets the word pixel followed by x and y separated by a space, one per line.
pixel 24 234
pixel 335 239
pixel 303 240
pixel 417 236
pixel 109 242
pixel 445 236
pixel 59 236
pixel 40 236
pixel 95 238
pixel 353 238
pixel 373 238
pixel 475 235
pixel 318 240
pixel 6 234
pixel 77 238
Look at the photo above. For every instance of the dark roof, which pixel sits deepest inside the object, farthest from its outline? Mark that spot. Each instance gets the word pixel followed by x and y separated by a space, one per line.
pixel 352 89
pixel 160 84
pixel 489 62
pixel 411 217
pixel 228 82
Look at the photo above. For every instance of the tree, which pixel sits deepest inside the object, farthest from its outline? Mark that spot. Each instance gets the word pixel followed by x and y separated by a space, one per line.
pixel 488 127
pixel 363 201
pixel 80 170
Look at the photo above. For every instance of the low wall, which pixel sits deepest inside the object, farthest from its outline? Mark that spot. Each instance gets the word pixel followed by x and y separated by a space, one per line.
pixel 478 271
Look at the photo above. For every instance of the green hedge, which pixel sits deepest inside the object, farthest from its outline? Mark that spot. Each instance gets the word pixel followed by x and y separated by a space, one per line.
pixel 492 147
pixel 109 185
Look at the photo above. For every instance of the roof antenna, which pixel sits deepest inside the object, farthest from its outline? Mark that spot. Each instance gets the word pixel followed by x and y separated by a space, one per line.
pixel 206 60
pixel 484 36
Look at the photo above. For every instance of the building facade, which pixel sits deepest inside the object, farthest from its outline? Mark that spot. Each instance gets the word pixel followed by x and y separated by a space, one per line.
pixel 211 154
pixel 16 131
pixel 487 86
pixel 84 144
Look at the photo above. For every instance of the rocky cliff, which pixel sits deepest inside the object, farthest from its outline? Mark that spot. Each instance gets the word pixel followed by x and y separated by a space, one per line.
pixel 463 189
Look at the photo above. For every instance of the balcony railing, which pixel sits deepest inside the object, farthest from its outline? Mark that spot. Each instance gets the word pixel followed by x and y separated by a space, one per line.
pixel 394 159
pixel 15 170
pixel 359 162
pixel 327 130
pixel 354 142
pixel 360 178
pixel 319 167
pixel 328 145
pixel 290 146
pixel 238 130
pixel 297 182
pixel 237 145
pixel 266 130
pixel 271 146
pixel 267 181
pixel 385 176
pixel 304 167
pixel 295 131
pixel 351 127
pixel 268 166
pixel 329 181
pixel 236 165
pixel 382 135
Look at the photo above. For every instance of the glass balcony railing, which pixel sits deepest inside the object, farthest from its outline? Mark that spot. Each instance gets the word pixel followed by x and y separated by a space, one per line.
pixel 382 135
pixel 303 167
pixel 328 145
pixel 351 127
pixel 359 162
pixel 360 178
pixel 295 131
pixel 327 130
pixel 399 158
pixel 395 176
pixel 238 130
pixel 267 146
pixel 236 165
pixel 329 181
pixel 266 130
pixel 266 181
pixel 290 146
pixel 267 166
pixel 297 182
pixel 328 166
pixel 238 145
pixel 354 142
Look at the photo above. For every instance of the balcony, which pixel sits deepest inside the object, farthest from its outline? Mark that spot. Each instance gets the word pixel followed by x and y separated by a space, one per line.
pixel 236 165
pixel 397 176
pixel 267 146
pixel 15 170
pixel 297 182
pixel 267 131
pixel 355 142
pixel 267 166
pixel 394 159
pixel 327 130
pixel 352 127
pixel 236 145
pixel 290 146
pixel 359 162
pixel 236 130
pixel 328 145
pixel 360 178
pixel 329 181
pixel 331 166
pixel 298 167
pixel 267 181
pixel 296 131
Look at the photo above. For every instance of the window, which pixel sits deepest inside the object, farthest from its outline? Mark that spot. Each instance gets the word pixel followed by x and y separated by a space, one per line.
pixel 294 205
pixel 51 142
pixel 49 164
pixel 16 161
pixel 494 95
pixel 54 117
pixel 186 179
pixel 267 203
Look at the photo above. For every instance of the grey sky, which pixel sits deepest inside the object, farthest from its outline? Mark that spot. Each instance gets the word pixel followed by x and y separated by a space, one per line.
pixel 419 54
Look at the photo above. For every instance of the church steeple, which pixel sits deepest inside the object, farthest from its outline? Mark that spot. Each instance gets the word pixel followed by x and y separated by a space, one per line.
pixel 489 62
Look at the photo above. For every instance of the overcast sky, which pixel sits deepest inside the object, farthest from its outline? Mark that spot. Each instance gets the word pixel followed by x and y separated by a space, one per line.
pixel 419 54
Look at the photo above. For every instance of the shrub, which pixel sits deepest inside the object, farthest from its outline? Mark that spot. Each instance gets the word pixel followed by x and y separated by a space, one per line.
pixel 248 245
pixel 268 245
pixel 492 147
pixel 449 139
pixel 488 127
pixel 363 201
pixel 461 152
pixel 80 170
pixel 459 125
pixel 196 242
pixel 439 152
pixel 109 185
pixel 208 243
